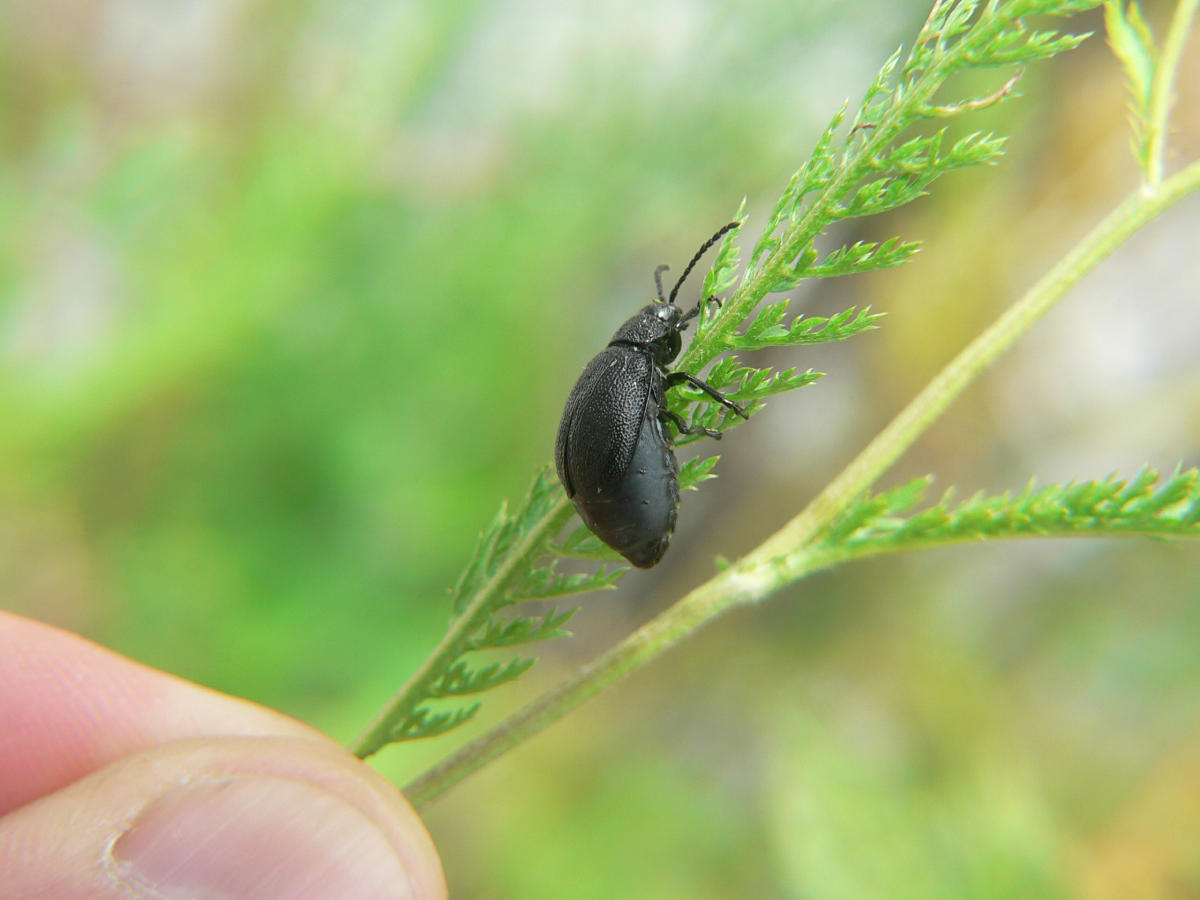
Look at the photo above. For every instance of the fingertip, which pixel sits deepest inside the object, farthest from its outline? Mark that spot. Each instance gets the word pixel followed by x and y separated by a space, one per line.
pixel 234 817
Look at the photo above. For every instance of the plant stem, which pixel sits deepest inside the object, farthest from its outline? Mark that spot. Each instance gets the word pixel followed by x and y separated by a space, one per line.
pixel 1161 87
pixel 901 432
pixel 789 554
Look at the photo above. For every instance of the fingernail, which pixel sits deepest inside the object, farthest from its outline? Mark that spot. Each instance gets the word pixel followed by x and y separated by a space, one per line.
pixel 258 836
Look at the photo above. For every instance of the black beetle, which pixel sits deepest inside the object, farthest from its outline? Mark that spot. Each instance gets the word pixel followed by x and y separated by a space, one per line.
pixel 613 450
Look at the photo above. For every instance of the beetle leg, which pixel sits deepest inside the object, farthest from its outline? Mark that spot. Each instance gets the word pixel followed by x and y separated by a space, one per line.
pixel 685 428
pixel 677 378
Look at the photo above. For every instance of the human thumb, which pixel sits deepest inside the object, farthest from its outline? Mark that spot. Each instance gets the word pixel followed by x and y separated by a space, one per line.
pixel 252 817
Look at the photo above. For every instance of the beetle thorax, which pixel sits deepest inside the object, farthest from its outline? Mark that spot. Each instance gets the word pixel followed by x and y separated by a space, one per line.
pixel 654 328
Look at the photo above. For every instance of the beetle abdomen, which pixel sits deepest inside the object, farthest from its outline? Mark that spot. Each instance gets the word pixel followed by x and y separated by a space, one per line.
pixel 635 515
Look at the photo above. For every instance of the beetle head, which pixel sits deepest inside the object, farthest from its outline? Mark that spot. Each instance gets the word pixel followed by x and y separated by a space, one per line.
pixel 657 327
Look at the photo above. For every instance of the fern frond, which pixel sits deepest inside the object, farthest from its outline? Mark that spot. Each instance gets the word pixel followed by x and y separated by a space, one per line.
pixel 582 544
pixel 1132 43
pixel 460 679
pixel 864 256
pixel 696 470
pixel 875 166
pixel 544 583
pixel 1107 507
pixel 425 724
pixel 522 630
pixel 767 331
pixel 503 572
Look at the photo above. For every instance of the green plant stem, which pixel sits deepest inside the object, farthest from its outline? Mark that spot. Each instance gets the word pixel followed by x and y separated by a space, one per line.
pixel 416 690
pixel 902 431
pixel 791 553
pixel 1163 83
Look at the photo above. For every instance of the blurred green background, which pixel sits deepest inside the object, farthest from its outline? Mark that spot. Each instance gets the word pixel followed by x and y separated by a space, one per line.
pixel 291 295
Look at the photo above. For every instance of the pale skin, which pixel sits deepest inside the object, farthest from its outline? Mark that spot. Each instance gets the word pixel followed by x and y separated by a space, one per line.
pixel 117 780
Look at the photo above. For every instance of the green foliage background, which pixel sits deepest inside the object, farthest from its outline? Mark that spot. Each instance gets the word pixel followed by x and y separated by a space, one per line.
pixel 291 296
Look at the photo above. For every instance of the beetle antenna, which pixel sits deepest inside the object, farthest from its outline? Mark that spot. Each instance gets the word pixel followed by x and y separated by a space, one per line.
pixel 658 281
pixel 695 259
